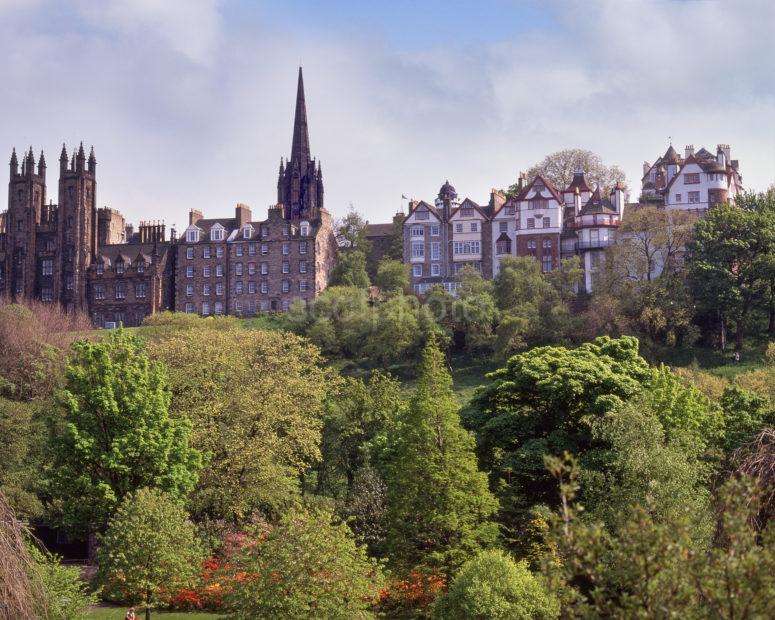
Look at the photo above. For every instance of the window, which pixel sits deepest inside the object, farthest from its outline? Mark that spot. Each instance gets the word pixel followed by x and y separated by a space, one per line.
pixel 303 266
pixel 286 230
pixel 546 263
pixel 286 286
pixel 474 226
pixel 251 288
pixel 216 233
pixel 252 269
pixel 264 287
pixel 264 306
pixel 547 222
pixel 140 290
pixel 205 289
pixel 678 197
pixel 205 308
pixel 46 294
pixel 284 304
pixel 47 267
pixel 206 252
pixel 238 307
pixel 467 212
pixel 247 232
pixel 189 307
pixel 435 250
pixel 219 251
pixel 120 266
pixel 435 269
pixel 238 250
pixel 302 247
pixel 189 290
pixel 511 210
pixel 189 271
pixel 691 178
pixel 100 268
pixel 435 230
pixel 418 249
pixel 302 286
pixel 503 246
pixel 189 253
pixel 264 269
pixel 206 271
pixel 422 214
pixel 219 288
pixel 99 291
pixel 417 270
pixel 466 247
pixel 503 227
pixel 304 228
pixel 286 267
pixel 219 271
pixel 547 245
pixel 531 247
pixel 541 203
pixel 192 236
pixel 531 223
pixel 120 289
pixel 694 197
pixel 418 231
pixel 252 249
pixel 238 287
pixel 237 269
pixel 458 228
pixel 264 249
pixel 264 230
pixel 141 267
pixel 218 308
pixel 286 248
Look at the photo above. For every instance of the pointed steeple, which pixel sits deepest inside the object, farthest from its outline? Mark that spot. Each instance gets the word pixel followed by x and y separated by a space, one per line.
pixel 30 164
pixel 282 166
pixel 92 161
pixel 42 165
pixel 80 159
pixel 14 163
pixel 300 146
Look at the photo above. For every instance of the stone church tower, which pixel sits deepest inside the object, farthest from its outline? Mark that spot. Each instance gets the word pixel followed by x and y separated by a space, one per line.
pixel 300 183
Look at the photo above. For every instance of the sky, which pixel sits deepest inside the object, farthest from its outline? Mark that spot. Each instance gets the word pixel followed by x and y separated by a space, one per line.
pixel 189 103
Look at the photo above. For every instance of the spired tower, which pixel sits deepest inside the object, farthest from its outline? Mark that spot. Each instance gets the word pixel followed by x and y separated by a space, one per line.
pixel 76 227
pixel 26 197
pixel 300 182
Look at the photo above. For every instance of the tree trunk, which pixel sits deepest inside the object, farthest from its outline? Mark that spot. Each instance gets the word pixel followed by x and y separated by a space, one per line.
pixel 91 540
pixel 723 334
pixel 147 613
pixel 148 605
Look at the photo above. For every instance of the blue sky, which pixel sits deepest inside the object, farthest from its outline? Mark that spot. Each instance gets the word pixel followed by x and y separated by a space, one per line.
pixel 189 103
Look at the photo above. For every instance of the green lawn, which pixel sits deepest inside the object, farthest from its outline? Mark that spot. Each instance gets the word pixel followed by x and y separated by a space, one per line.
pixel 119 613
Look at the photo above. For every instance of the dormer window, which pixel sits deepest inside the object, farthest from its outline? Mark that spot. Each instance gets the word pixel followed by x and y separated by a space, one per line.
pixel 192 236
pixel 119 266
pixel 304 226
pixel 140 266
pixel 247 232
pixel 216 233
pixel 100 268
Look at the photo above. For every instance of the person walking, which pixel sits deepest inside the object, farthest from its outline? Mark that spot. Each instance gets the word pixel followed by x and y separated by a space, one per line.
pixel 130 615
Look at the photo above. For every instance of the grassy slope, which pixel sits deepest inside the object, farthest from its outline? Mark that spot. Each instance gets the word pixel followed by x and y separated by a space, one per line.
pixel 119 613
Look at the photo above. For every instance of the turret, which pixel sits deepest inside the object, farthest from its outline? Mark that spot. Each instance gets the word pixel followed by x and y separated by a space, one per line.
pixel 63 159
pixel 80 161
pixel 29 167
pixel 42 165
pixel 14 164
pixel 92 162
pixel 576 201
pixel 617 198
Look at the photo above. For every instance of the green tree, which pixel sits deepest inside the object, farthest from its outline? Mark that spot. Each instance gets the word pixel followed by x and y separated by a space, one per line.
pixel 731 264
pixel 67 593
pixel 475 314
pixel 117 434
pixel 257 409
pixel 22 457
pixel 354 247
pixel 392 276
pixel 492 586
pixel 149 548
pixel 542 402
pixel 438 503
pixel 745 413
pixel 309 567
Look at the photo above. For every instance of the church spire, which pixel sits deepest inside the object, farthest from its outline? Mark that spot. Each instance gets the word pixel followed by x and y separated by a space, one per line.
pixel 300 146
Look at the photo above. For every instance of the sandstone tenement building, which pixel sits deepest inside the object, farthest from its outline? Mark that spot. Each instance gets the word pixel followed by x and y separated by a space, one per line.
pixel 90 260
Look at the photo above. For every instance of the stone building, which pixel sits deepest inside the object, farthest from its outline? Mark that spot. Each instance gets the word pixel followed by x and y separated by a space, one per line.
pixel 243 267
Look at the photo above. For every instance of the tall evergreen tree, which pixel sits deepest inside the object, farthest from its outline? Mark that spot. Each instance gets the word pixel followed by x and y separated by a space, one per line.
pixel 117 435
pixel 438 503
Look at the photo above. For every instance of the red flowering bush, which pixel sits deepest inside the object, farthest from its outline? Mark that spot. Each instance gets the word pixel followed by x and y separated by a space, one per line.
pixel 413 593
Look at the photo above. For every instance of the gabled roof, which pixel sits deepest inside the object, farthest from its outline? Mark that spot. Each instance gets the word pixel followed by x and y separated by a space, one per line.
pixel 671 156
pixel 527 189
pixel 579 181
pixel 427 206
pixel 470 204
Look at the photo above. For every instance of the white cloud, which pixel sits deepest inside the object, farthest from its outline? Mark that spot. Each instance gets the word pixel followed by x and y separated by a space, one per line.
pixel 188 108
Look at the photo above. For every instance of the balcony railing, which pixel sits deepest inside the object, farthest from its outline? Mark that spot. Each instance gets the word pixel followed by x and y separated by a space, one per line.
pixel 595 244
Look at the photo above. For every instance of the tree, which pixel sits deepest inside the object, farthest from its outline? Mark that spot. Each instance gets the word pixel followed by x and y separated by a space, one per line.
pixel 354 247
pixel 149 547
pixel 365 509
pixel 495 587
pixel 67 595
pixel 731 264
pixel 475 313
pixel 542 402
pixel 392 276
pixel 308 567
pixel 438 503
pixel 745 413
pixel 256 407
pixel 559 168
pixel 22 457
pixel 117 434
